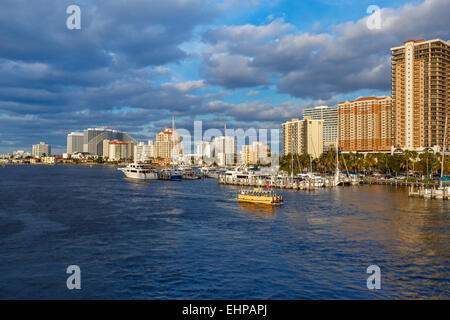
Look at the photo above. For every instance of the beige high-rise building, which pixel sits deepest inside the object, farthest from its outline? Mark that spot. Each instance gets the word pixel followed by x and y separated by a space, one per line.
pixel 303 136
pixel 254 153
pixel 420 93
pixel 168 144
pixel 365 124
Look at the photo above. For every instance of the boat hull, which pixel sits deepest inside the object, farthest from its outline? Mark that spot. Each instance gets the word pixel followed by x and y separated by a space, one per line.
pixel 140 175
pixel 261 200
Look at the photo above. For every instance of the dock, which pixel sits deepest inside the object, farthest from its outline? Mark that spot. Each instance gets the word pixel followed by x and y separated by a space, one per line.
pixel 272 182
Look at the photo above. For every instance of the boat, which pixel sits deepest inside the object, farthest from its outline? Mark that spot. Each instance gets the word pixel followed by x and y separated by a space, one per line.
pixel 139 171
pixel 188 173
pixel 261 196
pixel 170 174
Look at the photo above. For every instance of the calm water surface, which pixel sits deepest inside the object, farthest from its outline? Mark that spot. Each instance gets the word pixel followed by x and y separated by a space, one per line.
pixel 191 239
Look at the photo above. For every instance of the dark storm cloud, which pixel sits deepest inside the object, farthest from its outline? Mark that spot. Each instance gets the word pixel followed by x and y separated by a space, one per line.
pixel 54 80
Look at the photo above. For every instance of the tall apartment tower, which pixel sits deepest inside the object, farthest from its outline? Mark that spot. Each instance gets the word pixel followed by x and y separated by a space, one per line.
pixel 75 142
pixel 330 124
pixel 365 125
pixel 168 144
pixel 420 93
pixel 303 136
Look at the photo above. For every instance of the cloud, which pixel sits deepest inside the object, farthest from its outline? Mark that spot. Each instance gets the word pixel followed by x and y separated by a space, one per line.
pixel 312 65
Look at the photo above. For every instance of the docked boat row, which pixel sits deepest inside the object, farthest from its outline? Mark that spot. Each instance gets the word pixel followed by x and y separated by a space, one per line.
pixel 143 171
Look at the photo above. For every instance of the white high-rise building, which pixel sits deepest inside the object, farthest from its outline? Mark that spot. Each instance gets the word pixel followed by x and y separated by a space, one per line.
pixel 41 149
pixel 75 142
pixel 224 150
pixel 330 125
pixel 144 152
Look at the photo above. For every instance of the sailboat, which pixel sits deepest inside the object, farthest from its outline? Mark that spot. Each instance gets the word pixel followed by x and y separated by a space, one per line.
pixel 443 191
pixel 339 179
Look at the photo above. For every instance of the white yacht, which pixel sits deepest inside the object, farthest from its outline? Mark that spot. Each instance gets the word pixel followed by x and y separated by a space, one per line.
pixel 139 171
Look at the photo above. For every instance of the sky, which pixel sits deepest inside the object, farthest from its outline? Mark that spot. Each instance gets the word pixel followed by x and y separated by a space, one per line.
pixel 249 64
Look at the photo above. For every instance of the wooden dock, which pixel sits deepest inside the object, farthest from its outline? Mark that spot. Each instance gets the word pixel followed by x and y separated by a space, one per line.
pixel 429 193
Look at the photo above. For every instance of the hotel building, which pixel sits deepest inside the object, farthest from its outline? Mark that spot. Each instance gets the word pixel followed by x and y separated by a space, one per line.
pixel 168 144
pixel 224 150
pixel 41 149
pixel 365 125
pixel 255 153
pixel 75 142
pixel 330 125
pixel 93 139
pixel 420 93
pixel 144 152
pixel 303 136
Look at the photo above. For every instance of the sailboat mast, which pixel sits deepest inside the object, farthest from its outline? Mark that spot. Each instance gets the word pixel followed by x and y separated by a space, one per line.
pixel 443 150
pixel 173 139
pixel 224 145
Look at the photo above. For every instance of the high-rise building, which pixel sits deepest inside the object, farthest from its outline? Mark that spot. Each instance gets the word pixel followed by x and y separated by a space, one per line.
pixel 75 142
pixel 168 144
pixel 420 93
pixel 303 137
pixel 330 125
pixel 119 150
pixel 254 153
pixel 365 124
pixel 224 150
pixel 93 139
pixel 144 152
pixel 41 149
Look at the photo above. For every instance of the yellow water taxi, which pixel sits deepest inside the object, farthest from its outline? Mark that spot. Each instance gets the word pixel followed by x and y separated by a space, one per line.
pixel 259 195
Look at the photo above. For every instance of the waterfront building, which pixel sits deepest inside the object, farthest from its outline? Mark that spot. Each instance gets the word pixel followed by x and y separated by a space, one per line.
pixel 20 154
pixel 75 142
pixel 93 139
pixel 106 149
pixel 365 125
pixel 41 149
pixel 119 150
pixel 303 136
pixel 144 152
pixel 420 93
pixel 330 125
pixel 224 151
pixel 168 144
pixel 255 153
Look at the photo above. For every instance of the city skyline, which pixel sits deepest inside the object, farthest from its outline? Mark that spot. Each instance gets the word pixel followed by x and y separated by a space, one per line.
pixel 284 65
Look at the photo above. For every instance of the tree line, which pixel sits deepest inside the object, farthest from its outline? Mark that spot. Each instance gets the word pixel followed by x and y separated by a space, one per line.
pixel 408 162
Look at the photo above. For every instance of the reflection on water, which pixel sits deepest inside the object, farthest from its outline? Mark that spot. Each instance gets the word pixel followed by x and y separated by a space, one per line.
pixel 265 211
pixel 192 239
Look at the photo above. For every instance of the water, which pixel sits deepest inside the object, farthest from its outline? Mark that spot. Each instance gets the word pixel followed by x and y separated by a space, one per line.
pixel 191 239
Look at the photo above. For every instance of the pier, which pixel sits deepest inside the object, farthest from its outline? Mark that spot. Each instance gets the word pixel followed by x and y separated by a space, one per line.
pixel 273 182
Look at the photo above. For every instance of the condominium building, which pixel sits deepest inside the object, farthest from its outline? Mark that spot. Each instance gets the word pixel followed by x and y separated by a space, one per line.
pixel 420 93
pixel 75 142
pixel 144 152
pixel 168 144
pixel 365 124
pixel 93 139
pixel 255 153
pixel 119 150
pixel 330 125
pixel 41 149
pixel 303 136
pixel 224 150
